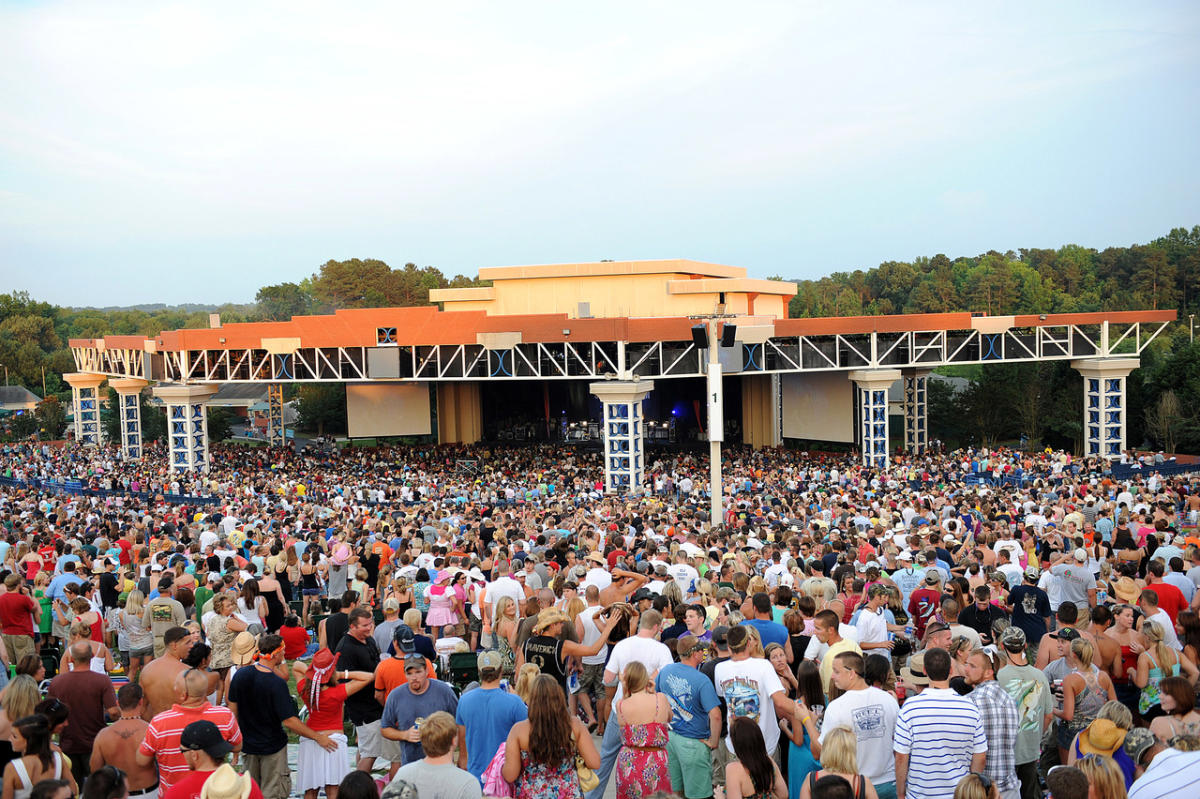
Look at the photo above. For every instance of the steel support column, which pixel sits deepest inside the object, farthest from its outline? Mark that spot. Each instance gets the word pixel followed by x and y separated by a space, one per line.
pixel 624 464
pixel 276 432
pixel 1104 404
pixel 187 424
pixel 872 386
pixel 916 410
pixel 129 412
pixel 85 399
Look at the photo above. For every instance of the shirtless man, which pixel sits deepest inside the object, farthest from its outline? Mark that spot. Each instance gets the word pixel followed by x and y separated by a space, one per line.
pixel 116 745
pixel 623 586
pixel 1108 651
pixel 158 677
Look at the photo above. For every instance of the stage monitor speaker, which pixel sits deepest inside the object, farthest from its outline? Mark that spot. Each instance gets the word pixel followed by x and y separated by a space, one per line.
pixel 729 335
pixel 700 336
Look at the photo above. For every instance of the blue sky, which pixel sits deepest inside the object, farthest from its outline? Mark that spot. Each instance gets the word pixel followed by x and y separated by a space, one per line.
pixel 193 152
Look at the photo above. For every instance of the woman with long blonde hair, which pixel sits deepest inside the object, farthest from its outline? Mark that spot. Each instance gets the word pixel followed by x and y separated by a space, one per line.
pixel 839 758
pixel 523 687
pixel 139 636
pixel 1105 780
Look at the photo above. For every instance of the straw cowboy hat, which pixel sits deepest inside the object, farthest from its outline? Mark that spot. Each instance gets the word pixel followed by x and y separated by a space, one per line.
pixel 243 649
pixel 547 617
pixel 225 783
pixel 1127 590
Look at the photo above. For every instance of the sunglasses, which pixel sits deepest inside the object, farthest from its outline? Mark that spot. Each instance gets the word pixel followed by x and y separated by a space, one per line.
pixel 983 780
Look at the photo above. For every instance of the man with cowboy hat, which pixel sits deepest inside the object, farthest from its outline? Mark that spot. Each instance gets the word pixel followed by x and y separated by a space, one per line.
pixel 265 710
pixel 204 750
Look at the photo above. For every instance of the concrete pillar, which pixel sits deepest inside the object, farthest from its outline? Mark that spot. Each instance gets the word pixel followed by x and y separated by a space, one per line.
pixel 129 412
pixel 1104 404
pixel 624 464
pixel 276 432
pixel 760 410
pixel 85 400
pixel 872 386
pixel 460 413
pixel 187 424
pixel 916 410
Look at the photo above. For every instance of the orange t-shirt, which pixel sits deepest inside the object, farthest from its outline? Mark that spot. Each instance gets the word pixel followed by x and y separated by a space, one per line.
pixel 389 675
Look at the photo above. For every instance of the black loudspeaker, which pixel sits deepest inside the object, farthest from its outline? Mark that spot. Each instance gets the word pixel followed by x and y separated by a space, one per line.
pixel 728 334
pixel 700 336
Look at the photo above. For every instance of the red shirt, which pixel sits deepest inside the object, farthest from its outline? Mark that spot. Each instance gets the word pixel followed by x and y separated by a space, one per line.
pixel 189 787
pixel 126 551
pixel 162 737
pixel 14 614
pixel 295 641
pixel 922 604
pixel 328 717
pixel 1170 598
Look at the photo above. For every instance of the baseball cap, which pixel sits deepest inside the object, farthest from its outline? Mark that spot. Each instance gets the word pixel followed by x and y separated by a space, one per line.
pixel 1137 741
pixel 391 603
pixel 933 577
pixel 720 635
pixel 1066 634
pixel 405 639
pixel 1081 555
pixel 1032 572
pixel 488 659
pixel 906 555
pixel 203 736
pixel 414 661
pixel 1013 638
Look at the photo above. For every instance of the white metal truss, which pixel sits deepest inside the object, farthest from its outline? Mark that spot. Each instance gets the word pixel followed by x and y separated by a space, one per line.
pixel 569 360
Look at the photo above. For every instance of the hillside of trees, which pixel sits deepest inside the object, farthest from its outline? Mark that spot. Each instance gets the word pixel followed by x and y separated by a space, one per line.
pixel 1039 402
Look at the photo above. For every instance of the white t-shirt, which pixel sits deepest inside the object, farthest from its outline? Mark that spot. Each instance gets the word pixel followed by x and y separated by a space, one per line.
pixel 747 687
pixel 816 650
pixel 598 577
pixel 684 576
pixel 871 715
pixel 505 586
pixel 650 653
pixel 872 628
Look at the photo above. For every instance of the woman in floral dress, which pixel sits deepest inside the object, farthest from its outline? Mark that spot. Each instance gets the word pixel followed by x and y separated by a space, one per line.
pixel 645 718
pixel 539 756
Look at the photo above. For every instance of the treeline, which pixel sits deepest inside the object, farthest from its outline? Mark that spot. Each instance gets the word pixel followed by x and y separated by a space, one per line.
pixel 1041 403
pixel 1162 274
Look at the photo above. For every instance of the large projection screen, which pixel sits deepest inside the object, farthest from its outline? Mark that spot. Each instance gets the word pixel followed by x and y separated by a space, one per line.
pixel 387 409
pixel 818 406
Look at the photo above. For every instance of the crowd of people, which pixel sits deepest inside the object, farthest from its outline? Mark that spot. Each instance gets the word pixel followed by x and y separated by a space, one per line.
pixel 972 624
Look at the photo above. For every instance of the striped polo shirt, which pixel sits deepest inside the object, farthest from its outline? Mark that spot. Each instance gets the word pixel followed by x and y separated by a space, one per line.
pixel 162 738
pixel 939 731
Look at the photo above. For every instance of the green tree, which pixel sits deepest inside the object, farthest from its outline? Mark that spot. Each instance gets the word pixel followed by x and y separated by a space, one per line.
pixel 52 418
pixel 220 423
pixel 281 302
pixel 322 408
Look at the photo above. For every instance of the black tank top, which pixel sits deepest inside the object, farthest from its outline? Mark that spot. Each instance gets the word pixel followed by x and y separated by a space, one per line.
pixel 546 653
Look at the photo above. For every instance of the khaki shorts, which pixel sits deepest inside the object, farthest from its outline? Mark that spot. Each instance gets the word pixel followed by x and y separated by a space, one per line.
pixel 18 646
pixel 371 743
pixel 272 774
